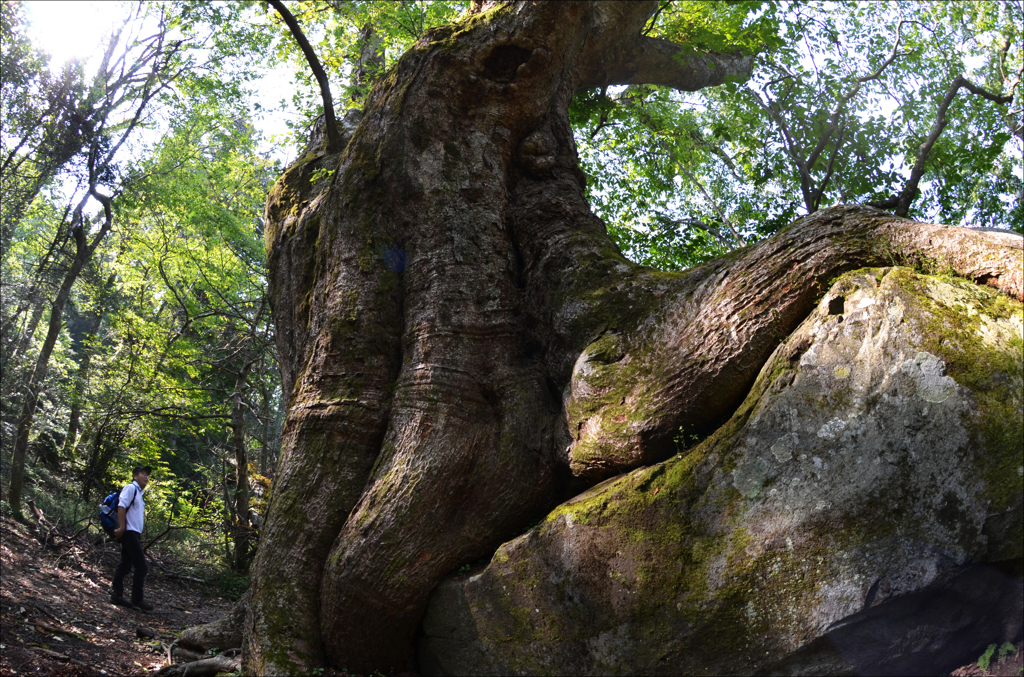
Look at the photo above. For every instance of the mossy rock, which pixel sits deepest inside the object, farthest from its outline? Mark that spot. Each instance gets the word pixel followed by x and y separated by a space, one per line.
pixel 868 491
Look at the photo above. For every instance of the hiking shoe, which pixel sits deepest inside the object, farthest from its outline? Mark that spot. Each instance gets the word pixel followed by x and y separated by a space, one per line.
pixel 119 600
pixel 142 605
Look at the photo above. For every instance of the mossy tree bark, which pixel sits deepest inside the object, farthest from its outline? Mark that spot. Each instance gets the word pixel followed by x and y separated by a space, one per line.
pixel 463 344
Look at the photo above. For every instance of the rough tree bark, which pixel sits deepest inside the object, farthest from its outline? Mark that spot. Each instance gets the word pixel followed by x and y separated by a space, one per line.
pixel 434 297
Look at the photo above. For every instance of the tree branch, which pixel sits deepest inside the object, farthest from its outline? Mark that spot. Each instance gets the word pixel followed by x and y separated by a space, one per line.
pixel 654 18
pixel 653 61
pixel 617 52
pixel 909 192
pixel 200 668
pixel 160 411
pixel 795 153
pixel 820 191
pixel 714 204
pixel 834 121
pixel 333 141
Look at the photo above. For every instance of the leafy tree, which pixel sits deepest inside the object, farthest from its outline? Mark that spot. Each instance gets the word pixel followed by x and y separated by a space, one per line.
pixel 192 334
pixel 832 113
pixel 128 78
pixel 43 123
pixel 115 328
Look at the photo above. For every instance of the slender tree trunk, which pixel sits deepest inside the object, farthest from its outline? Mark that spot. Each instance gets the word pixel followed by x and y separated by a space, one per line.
pixel 369 64
pixel 75 414
pixel 34 298
pixel 81 380
pixel 35 383
pixel 264 434
pixel 106 441
pixel 38 305
pixel 268 418
pixel 84 251
pixel 229 511
pixel 14 369
pixel 242 530
pixel 461 343
pixel 89 476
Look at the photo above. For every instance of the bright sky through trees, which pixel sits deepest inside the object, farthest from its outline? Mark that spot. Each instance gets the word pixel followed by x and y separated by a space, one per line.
pixel 70 30
pixel 75 30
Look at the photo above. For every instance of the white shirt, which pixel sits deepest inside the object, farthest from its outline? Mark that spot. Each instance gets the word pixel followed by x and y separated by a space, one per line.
pixel 133 516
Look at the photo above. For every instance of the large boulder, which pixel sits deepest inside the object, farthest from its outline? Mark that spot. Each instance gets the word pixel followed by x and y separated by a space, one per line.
pixel 860 513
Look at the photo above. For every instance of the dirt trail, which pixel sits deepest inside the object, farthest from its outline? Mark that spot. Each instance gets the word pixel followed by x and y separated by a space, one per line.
pixel 56 617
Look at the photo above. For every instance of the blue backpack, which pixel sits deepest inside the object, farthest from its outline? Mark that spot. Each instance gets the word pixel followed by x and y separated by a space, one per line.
pixel 108 511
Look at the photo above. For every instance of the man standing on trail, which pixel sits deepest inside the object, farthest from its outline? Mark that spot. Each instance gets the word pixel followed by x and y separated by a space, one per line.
pixel 130 511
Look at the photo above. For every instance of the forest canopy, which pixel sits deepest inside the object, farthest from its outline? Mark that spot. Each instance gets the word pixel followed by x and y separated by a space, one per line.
pixel 135 325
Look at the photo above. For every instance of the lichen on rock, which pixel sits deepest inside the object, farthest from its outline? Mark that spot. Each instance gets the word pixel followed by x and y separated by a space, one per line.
pixel 874 471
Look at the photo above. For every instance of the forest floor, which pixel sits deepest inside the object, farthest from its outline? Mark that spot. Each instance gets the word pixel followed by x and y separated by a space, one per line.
pixel 56 617
pixel 1009 665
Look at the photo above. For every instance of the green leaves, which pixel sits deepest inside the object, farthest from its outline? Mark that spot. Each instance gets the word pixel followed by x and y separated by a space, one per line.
pixel 835 112
pixel 746 26
pixel 336 32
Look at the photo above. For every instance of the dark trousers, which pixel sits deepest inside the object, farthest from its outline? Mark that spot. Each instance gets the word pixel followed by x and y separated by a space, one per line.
pixel 131 557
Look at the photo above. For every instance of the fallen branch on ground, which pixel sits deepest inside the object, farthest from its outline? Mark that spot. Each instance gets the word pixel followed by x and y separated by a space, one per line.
pixel 58 631
pixel 82 530
pixel 58 656
pixel 42 524
pixel 169 649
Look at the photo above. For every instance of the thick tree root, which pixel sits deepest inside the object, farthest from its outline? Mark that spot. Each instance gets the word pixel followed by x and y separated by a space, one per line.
pixel 223 634
pixel 202 668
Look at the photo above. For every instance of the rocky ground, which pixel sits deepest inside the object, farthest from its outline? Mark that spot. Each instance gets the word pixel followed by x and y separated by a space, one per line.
pixel 56 617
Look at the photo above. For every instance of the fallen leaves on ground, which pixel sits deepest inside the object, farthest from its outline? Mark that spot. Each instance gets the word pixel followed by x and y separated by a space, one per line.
pixel 56 617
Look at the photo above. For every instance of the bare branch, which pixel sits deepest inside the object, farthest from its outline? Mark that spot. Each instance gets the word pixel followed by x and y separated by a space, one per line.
pixel 333 141
pixel 813 190
pixel 654 18
pixel 714 203
pixel 788 141
pixel 909 192
pixel 840 107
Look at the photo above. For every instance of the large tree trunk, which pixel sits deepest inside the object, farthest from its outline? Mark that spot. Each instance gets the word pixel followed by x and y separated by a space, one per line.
pixel 463 344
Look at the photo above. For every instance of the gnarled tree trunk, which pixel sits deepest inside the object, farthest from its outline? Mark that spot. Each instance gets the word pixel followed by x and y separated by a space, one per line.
pixel 463 344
